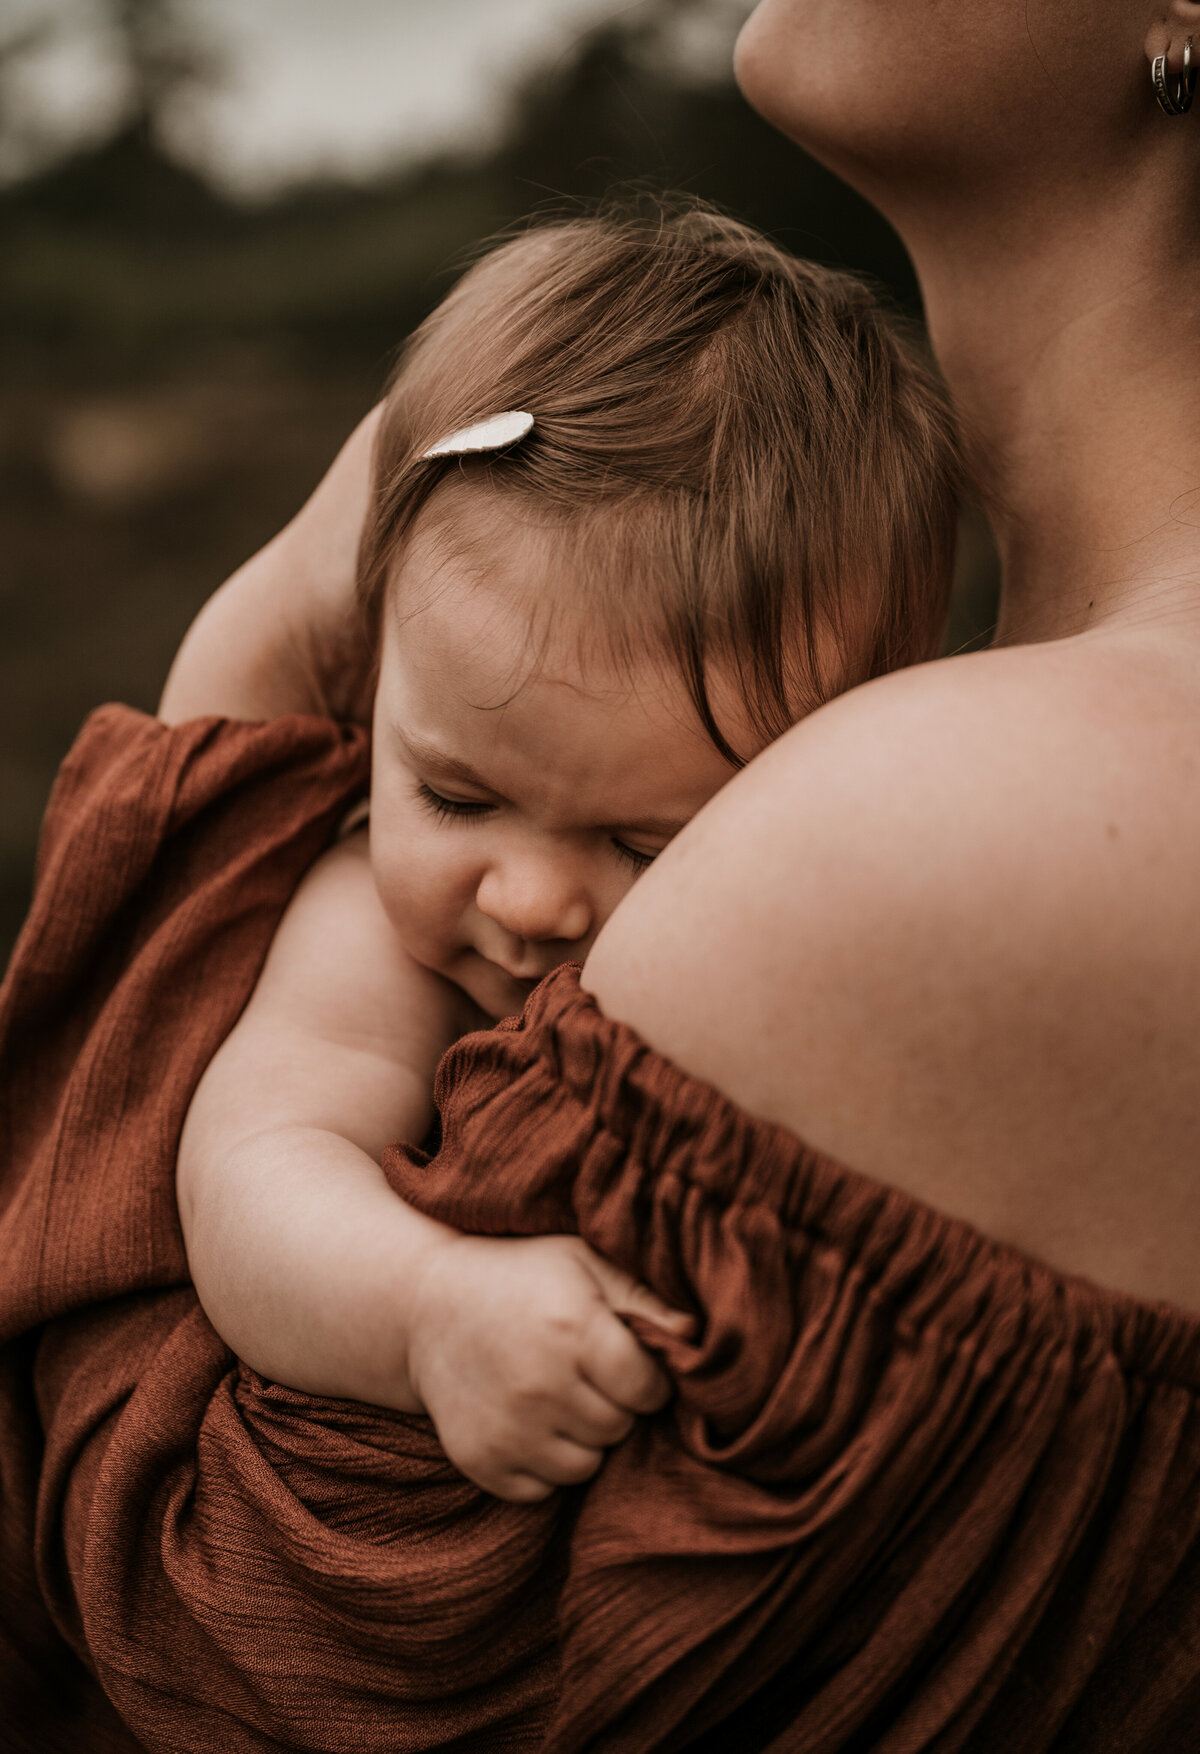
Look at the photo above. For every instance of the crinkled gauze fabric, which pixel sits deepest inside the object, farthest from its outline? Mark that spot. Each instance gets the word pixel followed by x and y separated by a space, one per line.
pixel 914 1493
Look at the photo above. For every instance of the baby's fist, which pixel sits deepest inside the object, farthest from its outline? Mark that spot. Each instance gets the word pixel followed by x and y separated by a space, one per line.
pixel 519 1354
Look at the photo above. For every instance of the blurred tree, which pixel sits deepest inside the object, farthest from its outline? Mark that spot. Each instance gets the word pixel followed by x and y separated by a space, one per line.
pixel 164 55
pixel 122 253
pixel 18 137
pixel 129 186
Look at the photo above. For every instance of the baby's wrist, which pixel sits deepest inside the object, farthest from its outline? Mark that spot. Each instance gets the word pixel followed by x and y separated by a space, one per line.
pixel 361 1346
pixel 436 1291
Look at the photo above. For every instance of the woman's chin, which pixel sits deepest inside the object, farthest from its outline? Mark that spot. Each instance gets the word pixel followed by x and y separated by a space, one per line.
pixel 798 67
pixel 902 97
pixel 766 63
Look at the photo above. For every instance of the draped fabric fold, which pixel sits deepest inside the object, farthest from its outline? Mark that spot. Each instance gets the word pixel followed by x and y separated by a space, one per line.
pixel 915 1493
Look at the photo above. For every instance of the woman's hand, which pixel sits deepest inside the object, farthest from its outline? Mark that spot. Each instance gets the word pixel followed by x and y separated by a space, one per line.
pixel 518 1353
pixel 283 635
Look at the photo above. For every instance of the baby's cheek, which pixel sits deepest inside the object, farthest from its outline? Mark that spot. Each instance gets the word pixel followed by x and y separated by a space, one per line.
pixel 608 891
pixel 423 894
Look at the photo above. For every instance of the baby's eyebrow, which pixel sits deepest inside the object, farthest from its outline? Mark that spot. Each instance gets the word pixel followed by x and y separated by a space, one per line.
pixel 427 754
pixel 664 825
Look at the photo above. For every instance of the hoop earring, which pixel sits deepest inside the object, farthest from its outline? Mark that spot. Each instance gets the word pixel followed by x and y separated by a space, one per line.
pixel 1174 91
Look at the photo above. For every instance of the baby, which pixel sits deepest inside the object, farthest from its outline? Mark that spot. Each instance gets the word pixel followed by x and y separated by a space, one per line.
pixel 647 491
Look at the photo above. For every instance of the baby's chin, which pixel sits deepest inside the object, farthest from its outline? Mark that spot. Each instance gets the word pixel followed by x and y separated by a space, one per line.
pixel 493 989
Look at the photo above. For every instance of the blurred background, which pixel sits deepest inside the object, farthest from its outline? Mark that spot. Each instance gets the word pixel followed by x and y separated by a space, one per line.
pixel 217 220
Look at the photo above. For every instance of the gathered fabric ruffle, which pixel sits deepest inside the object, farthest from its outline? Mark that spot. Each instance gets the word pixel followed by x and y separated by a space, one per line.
pixel 915 1490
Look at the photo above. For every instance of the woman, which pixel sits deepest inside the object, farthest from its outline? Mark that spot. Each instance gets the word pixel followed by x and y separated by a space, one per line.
pixel 940 932
pixel 980 875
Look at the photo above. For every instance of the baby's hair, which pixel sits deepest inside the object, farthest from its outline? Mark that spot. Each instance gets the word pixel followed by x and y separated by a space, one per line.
pixel 753 461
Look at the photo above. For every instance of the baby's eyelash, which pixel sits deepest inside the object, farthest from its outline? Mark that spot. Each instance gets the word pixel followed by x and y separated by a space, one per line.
pixel 470 810
pixel 451 809
pixel 629 856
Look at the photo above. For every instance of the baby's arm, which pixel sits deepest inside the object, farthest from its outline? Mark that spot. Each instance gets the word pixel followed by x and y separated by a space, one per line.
pixel 300 1251
pixel 320 1277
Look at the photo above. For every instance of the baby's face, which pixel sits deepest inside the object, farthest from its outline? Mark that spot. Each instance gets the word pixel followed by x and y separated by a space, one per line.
pixel 516 794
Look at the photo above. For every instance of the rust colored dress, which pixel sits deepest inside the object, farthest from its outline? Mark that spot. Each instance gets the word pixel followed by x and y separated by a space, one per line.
pixel 915 1494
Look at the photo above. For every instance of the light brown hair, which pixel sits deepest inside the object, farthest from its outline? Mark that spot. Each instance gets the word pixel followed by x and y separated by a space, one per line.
pixel 757 461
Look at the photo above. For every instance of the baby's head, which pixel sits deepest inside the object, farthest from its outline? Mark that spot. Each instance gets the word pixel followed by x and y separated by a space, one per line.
pixel 737 500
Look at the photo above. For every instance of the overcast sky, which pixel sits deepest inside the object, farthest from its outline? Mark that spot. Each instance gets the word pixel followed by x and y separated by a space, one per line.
pixel 309 86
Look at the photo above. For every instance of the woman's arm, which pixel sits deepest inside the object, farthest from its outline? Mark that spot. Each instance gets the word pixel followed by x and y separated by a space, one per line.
pixel 283 634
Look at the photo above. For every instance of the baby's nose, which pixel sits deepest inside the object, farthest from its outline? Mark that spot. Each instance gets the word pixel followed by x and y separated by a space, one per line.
pixel 536 905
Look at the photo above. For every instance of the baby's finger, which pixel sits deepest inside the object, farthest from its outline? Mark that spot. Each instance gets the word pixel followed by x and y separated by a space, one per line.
pixel 627 1296
pixel 563 1462
pixel 591 1418
pixel 620 1368
pixel 518 1487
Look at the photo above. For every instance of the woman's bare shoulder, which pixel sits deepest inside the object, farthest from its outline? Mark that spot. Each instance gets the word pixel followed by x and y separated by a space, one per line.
pixel 942 931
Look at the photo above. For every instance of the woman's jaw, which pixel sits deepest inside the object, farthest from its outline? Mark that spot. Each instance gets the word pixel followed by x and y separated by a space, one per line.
pixel 930 108
pixel 1052 212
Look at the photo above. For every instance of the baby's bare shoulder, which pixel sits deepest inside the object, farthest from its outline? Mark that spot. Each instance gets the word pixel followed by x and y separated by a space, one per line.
pixel 338 969
pixel 343 1030
pixel 336 961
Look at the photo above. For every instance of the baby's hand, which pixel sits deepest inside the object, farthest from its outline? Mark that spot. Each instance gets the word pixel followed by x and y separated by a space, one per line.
pixel 518 1353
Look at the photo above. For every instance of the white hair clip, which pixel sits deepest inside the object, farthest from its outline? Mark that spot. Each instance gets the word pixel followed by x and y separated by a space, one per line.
pixel 486 435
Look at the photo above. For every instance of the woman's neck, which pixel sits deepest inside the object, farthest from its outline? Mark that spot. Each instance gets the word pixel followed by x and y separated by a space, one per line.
pixel 1071 362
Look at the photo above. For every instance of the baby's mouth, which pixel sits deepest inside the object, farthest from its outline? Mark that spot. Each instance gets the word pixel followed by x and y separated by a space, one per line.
pixel 523 979
pixel 525 982
pixel 521 983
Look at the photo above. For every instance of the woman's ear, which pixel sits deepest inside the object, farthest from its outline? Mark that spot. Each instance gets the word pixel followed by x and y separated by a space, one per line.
pixel 1169 31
